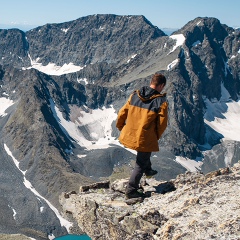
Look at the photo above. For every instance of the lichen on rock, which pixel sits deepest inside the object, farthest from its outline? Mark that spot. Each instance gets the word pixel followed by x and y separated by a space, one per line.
pixel 196 206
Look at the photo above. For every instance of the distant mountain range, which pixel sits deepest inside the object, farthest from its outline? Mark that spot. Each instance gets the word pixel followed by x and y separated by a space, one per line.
pixel 23 27
pixel 61 86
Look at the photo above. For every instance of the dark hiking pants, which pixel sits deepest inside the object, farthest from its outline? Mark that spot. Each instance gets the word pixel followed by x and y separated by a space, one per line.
pixel 142 165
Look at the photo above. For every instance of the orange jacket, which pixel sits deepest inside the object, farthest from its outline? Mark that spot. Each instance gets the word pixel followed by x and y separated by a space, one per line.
pixel 142 120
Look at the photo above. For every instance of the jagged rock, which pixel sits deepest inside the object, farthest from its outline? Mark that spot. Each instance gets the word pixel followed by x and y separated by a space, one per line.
pixel 14 48
pixel 119 185
pixel 106 67
pixel 66 195
pixel 118 54
pixel 97 185
pixel 198 202
pixel 91 39
pixel 132 201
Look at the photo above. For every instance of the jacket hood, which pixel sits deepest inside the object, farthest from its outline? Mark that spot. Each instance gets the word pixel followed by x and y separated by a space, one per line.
pixel 147 93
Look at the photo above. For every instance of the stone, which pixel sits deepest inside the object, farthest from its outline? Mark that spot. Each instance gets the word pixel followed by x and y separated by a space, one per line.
pixel 97 185
pixel 119 185
pixel 195 210
pixel 132 201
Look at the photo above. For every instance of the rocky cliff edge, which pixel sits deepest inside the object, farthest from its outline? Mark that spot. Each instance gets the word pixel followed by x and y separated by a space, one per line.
pixel 192 206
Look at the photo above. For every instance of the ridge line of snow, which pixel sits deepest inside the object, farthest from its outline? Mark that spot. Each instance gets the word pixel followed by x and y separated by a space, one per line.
pixel 64 223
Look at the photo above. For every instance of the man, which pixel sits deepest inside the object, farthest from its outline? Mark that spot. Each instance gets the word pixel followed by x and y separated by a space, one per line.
pixel 142 121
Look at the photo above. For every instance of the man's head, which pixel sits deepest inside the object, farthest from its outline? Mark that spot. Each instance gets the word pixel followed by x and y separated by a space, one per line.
pixel 158 82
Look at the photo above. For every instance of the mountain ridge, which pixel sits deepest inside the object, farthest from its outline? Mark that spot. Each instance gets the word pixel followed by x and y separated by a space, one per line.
pixel 200 68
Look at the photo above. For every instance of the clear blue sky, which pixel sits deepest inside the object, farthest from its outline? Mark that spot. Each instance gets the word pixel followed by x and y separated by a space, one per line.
pixel 161 13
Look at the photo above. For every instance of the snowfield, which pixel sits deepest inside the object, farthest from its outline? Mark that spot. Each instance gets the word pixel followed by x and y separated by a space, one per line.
pixel 223 116
pixel 5 103
pixel 180 39
pixel 52 68
pixel 97 122
pixel 189 164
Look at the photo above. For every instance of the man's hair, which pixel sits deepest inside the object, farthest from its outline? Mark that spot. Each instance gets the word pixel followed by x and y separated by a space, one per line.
pixel 158 79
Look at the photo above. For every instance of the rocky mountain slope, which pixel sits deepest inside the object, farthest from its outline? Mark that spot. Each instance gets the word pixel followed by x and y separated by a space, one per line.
pixel 192 206
pixel 61 86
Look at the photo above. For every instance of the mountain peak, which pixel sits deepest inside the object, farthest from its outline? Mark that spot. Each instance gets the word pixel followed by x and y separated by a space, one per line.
pixel 96 37
pixel 61 129
pixel 204 24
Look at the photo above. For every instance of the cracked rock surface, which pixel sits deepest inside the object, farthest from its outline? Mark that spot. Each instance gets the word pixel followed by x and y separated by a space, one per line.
pixel 192 206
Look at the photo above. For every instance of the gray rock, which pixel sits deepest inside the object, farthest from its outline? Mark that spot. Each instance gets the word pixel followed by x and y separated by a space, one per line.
pixel 105 45
pixel 91 39
pixel 198 200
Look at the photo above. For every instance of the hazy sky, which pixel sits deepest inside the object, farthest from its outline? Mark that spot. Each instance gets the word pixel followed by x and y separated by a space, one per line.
pixel 161 13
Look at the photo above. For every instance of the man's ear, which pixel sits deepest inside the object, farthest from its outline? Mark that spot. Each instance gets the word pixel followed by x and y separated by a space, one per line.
pixel 161 86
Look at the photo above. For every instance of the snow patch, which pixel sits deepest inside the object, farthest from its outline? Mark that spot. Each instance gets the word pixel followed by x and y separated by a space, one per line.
pixel 20 57
pixel 52 68
pixel 82 80
pixel 133 56
pixel 65 29
pixel 81 156
pixel 97 122
pixel 223 115
pixel 14 212
pixel 69 128
pixel 196 43
pixel 189 164
pixel 65 223
pixel 5 103
pixel 51 237
pixel 180 39
pixel 172 64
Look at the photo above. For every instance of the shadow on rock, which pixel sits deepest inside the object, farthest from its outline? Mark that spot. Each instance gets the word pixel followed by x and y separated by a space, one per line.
pixel 162 188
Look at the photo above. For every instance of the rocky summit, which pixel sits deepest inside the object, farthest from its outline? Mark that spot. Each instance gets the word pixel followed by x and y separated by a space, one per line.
pixel 192 206
pixel 62 85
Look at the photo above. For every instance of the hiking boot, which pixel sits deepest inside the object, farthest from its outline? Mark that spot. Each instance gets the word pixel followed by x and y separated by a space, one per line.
pixel 150 173
pixel 135 194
